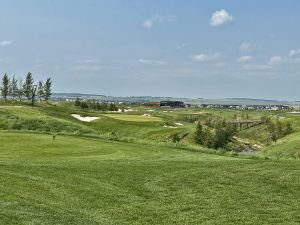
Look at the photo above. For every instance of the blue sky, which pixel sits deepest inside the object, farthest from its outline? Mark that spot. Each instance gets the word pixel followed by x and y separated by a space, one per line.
pixel 210 49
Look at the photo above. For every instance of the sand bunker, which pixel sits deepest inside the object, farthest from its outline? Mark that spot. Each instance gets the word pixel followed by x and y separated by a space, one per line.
pixel 84 119
pixel 169 126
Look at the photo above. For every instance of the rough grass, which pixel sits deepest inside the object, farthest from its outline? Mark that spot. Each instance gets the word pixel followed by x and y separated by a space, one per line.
pixel 287 147
pixel 87 181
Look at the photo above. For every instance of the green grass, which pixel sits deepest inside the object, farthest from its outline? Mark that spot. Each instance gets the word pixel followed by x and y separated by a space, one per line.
pixel 287 147
pixel 132 126
pixel 75 180
pixel 134 118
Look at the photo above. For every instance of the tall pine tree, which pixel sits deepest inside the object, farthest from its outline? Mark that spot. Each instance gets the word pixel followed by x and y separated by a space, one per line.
pixel 5 87
pixel 47 89
pixel 28 86
pixel 14 88
pixel 20 90
pixel 40 90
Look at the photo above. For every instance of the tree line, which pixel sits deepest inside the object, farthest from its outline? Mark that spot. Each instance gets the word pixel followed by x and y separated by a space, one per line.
pixel 215 133
pixel 219 133
pixel 96 105
pixel 14 89
pixel 277 128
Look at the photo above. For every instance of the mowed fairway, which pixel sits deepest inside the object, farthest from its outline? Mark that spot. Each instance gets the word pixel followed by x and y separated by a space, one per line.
pixel 75 180
pixel 134 118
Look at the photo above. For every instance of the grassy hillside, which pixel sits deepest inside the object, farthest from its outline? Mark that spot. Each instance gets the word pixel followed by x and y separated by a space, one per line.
pixel 133 126
pixel 76 180
pixel 287 147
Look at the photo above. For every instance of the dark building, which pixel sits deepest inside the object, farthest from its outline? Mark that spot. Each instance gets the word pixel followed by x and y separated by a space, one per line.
pixel 174 104
pixel 151 104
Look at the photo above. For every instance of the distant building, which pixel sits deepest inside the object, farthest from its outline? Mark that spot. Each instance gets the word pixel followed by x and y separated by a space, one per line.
pixel 173 104
pixel 152 104
pixel 247 107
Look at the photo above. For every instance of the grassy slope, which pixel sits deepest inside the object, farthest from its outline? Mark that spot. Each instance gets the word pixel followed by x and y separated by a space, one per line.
pixel 132 126
pixel 287 147
pixel 49 118
pixel 87 181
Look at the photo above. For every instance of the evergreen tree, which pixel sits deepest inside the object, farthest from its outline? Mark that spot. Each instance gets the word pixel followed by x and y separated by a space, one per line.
pixel 272 130
pixel 20 90
pixel 77 102
pixel 84 105
pixel 104 106
pixel 28 86
pixel 223 134
pixel 199 134
pixel 33 95
pixel 5 87
pixel 98 106
pixel 47 89
pixel 40 90
pixel 113 107
pixel 14 88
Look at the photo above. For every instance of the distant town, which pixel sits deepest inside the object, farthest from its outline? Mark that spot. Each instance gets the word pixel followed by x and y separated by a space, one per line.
pixel 170 102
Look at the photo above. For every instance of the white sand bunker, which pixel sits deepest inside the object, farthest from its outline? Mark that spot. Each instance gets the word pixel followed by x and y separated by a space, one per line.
pixel 169 126
pixel 84 119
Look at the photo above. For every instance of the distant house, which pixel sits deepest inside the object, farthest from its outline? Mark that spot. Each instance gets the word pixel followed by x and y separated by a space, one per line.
pixel 152 104
pixel 247 107
pixel 173 104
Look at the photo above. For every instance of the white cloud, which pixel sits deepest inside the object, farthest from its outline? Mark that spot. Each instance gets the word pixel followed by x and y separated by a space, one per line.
pixel 245 47
pixel 294 52
pixel 6 43
pixel 276 60
pixel 205 57
pixel 220 17
pixel 157 19
pixel 245 58
pixel 152 62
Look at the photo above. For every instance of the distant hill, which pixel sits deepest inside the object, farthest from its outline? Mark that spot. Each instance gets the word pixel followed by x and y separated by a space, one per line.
pixel 198 101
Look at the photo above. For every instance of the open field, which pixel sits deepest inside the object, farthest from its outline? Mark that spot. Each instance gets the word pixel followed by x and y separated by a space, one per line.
pixel 86 181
